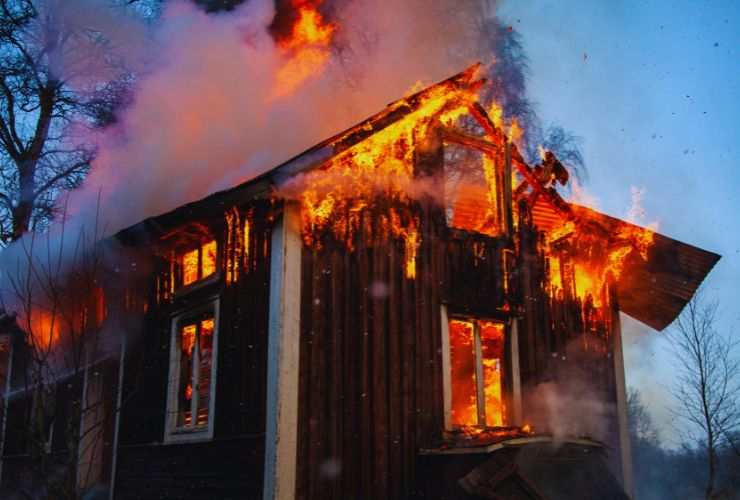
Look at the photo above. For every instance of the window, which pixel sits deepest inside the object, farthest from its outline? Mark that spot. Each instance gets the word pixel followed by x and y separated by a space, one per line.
pixel 476 350
pixel 192 374
pixel 198 263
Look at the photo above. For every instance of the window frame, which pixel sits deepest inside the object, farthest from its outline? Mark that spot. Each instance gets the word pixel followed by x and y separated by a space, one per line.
pixel 173 433
pixel 510 370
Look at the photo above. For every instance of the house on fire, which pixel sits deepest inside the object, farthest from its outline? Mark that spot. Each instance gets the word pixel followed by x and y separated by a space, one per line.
pixel 406 310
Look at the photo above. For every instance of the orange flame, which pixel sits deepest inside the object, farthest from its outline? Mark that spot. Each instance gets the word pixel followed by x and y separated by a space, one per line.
pixel 594 265
pixel 307 48
pixel 383 164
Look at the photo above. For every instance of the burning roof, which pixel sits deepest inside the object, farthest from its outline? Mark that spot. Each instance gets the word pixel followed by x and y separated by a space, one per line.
pixel 657 275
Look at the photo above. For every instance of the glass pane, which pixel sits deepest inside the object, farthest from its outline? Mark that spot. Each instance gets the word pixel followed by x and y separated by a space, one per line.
pixel 185 391
pixel 462 376
pixel 492 349
pixel 209 251
pixel 190 267
pixel 206 366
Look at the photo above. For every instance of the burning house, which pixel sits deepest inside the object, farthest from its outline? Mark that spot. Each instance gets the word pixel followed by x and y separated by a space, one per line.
pixel 408 309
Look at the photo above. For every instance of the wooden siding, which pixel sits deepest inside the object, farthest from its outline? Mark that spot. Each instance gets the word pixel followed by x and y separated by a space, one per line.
pixel 231 465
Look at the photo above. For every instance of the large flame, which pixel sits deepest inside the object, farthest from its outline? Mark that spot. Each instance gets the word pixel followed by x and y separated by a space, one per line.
pixel 594 259
pixel 307 48
pixel 380 166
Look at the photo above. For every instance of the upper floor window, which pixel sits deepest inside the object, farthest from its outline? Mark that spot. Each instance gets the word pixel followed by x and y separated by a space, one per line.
pixel 192 374
pixel 198 263
pixel 476 350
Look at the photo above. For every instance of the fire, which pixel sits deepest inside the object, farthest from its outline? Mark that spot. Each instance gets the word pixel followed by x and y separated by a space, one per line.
pixel 462 361
pixel 492 347
pixel 199 263
pixel 44 327
pixel 381 166
pixel 595 259
pixel 476 345
pixel 307 47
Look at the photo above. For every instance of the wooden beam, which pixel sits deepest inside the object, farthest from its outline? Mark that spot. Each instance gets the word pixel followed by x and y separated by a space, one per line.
pixel 283 355
pixel 457 137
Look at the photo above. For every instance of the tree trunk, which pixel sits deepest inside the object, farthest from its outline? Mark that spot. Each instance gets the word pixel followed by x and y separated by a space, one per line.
pixel 712 469
pixel 23 211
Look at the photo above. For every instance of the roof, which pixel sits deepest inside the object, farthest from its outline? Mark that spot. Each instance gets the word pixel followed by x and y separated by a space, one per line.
pixel 264 184
pixel 653 290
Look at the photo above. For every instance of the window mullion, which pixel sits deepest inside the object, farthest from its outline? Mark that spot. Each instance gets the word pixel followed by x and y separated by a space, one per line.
pixel 479 383
pixel 195 378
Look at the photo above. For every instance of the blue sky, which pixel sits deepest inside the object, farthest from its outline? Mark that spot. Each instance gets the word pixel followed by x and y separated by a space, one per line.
pixel 653 89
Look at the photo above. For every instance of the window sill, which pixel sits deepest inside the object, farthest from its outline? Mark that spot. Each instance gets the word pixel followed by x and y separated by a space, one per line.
pixel 189 436
pixel 483 447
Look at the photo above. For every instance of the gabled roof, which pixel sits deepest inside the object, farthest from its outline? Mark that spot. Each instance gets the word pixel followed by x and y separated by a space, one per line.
pixel 264 184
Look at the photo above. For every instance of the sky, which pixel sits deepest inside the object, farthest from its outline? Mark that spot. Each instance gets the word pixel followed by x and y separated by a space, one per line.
pixel 653 90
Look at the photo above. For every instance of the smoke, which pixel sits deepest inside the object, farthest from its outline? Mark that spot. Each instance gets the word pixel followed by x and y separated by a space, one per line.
pixel 203 116
pixel 570 407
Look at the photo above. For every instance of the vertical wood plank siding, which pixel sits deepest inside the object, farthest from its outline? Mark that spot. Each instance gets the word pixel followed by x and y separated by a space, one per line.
pixel 231 465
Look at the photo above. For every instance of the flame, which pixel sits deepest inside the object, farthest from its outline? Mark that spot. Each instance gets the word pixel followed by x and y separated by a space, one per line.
pixel 199 263
pixel 190 267
pixel 464 402
pixel 464 410
pixel 595 260
pixel 515 131
pixel 44 328
pixel 382 166
pixel 489 172
pixel 307 47
pixel 492 346
pixel 527 429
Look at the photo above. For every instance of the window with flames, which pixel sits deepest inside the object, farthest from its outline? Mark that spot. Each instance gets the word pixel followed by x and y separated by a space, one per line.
pixel 195 365
pixel 476 373
pixel 197 264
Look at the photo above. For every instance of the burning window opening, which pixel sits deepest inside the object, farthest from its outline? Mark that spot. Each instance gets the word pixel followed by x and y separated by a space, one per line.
pixel 476 373
pixel 194 265
pixel 474 194
pixel 195 345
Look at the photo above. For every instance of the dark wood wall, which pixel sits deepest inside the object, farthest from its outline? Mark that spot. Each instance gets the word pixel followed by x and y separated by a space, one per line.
pixel 231 464
pixel 567 345
pixel 370 382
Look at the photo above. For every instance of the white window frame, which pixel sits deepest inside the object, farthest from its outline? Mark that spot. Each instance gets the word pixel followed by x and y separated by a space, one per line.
pixel 510 332
pixel 174 434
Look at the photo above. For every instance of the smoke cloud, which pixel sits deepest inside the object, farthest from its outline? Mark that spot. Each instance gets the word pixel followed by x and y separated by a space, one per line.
pixel 204 116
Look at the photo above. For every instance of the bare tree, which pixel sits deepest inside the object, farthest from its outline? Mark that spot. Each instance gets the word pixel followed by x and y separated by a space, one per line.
pixel 57 292
pixel 707 382
pixel 58 78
